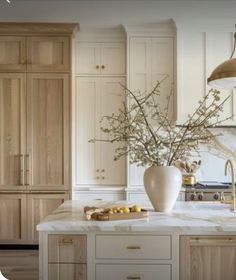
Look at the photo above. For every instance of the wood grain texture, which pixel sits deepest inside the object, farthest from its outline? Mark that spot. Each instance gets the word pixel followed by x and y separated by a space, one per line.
pixel 48 131
pixel 38 207
pixel 67 249
pixel 13 224
pixel 12 130
pixel 49 53
pixel 214 258
pixel 12 53
pixel 19 264
pixel 67 271
pixel 38 28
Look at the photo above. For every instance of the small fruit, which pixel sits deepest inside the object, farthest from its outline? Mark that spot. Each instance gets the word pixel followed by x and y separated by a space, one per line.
pixel 135 208
pixel 126 209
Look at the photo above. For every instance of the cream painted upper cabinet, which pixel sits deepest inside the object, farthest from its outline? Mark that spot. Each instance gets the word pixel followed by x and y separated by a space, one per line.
pixel 198 53
pixel 94 164
pixel 100 58
pixel 151 60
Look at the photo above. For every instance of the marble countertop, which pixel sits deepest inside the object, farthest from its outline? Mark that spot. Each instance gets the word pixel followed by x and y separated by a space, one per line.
pixel 185 218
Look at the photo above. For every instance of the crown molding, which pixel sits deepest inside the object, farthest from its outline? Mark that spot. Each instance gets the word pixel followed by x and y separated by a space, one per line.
pixel 27 28
pixel 101 34
pixel 164 28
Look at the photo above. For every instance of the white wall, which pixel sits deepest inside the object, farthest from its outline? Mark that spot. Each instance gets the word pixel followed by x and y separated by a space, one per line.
pixel 187 15
pixel 115 12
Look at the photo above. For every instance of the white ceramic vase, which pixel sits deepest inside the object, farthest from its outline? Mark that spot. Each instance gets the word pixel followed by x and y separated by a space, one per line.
pixel 162 185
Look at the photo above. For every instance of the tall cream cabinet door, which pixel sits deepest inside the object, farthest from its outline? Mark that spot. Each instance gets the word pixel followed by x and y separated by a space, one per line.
pixel 86 126
pixel 112 99
pixel 94 164
pixel 48 53
pixel 12 53
pixel 12 131
pixel 151 60
pixel 38 207
pixel 48 132
pixel 13 225
pixel 100 58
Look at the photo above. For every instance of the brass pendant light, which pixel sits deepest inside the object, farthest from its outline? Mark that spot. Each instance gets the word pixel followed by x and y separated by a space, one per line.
pixel 224 75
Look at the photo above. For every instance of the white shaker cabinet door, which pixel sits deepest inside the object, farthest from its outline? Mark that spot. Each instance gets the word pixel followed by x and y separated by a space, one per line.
pixel 112 97
pixel 86 123
pixel 88 58
pixel 100 58
pixel 151 60
pixel 94 164
pixel 113 58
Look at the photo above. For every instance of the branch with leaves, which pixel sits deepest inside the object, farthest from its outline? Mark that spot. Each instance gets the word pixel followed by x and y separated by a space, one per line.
pixel 146 133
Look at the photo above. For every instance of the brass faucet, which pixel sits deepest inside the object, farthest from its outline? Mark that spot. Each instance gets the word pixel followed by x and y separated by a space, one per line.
pixel 230 164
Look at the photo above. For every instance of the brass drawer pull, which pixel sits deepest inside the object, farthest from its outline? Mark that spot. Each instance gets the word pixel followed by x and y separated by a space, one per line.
pixel 133 278
pixel 67 241
pixel 22 170
pixel 133 247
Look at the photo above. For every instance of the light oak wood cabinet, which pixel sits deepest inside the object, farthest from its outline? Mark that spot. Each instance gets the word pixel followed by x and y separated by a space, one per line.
pixel 48 132
pixel 48 53
pixel 100 58
pixel 67 271
pixel 12 130
pixel 97 97
pixel 35 93
pixel 67 257
pixel 207 257
pixel 12 53
pixel 21 212
pixel 13 221
pixel 40 206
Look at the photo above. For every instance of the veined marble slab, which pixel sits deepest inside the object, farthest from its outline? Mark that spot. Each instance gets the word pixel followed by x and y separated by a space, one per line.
pixel 186 217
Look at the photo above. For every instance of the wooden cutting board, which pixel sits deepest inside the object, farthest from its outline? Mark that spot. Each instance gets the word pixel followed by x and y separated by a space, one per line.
pixel 117 216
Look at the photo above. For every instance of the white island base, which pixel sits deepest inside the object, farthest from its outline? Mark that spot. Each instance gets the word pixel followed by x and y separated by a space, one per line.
pixel 197 240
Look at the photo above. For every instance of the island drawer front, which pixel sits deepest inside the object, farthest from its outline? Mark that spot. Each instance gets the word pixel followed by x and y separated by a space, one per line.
pixel 67 271
pixel 133 247
pixel 67 248
pixel 133 272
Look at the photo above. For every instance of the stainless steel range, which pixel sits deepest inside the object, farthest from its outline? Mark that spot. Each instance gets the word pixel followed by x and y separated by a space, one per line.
pixel 208 191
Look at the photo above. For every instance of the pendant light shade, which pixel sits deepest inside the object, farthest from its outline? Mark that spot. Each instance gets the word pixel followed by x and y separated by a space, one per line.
pixel 224 75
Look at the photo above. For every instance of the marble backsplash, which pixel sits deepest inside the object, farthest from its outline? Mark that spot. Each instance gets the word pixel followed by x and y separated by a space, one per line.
pixel 214 156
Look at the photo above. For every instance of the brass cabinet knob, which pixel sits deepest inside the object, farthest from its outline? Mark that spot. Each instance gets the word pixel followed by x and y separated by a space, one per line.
pixel 97 170
pixel 103 178
pixel 97 177
pixel 103 67
pixel 97 66
pixel 103 170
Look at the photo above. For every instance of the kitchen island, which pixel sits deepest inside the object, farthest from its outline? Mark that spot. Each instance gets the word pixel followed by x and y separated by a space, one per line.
pixel 196 238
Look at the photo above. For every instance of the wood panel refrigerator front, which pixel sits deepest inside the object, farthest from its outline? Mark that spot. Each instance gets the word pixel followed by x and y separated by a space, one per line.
pixel 34 128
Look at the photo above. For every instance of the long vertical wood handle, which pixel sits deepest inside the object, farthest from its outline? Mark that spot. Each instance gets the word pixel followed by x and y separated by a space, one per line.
pixel 22 170
pixel 27 169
